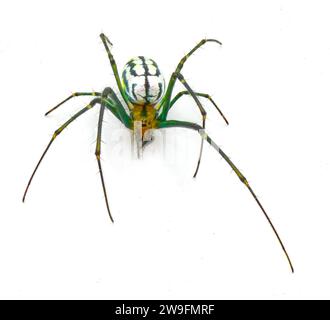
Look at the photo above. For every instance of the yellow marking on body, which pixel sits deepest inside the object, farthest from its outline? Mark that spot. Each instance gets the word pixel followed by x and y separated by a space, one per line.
pixel 145 114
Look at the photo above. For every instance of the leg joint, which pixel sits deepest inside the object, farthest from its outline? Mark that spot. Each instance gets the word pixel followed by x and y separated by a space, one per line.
pixel 183 60
pixel 111 58
pixel 175 74
pixel 243 179
pixel 57 132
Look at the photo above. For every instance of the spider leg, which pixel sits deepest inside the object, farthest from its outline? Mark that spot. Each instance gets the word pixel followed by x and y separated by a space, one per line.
pixel 193 126
pixel 198 94
pixel 75 94
pixel 203 113
pixel 106 43
pixel 98 150
pixel 56 133
pixel 118 107
pixel 165 103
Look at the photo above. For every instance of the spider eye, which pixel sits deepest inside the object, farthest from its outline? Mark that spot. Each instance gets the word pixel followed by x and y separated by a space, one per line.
pixel 143 81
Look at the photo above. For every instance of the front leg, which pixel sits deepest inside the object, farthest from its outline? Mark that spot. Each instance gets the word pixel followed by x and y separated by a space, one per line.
pixel 165 103
pixel 106 43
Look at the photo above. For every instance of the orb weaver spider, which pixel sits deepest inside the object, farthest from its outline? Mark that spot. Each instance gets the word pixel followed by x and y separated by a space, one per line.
pixel 143 90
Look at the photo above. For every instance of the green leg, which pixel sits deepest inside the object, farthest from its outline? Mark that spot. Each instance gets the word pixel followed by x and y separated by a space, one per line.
pixel 112 106
pixel 98 150
pixel 165 103
pixel 198 94
pixel 75 94
pixel 193 126
pixel 56 133
pixel 120 110
pixel 106 43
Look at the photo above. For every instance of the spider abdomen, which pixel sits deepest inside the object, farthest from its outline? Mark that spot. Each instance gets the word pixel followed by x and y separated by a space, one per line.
pixel 143 82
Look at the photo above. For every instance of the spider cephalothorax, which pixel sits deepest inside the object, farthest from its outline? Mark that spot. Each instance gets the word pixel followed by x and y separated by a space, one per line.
pixel 146 105
pixel 146 114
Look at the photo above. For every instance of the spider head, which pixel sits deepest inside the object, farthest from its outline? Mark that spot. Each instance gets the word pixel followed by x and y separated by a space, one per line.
pixel 142 81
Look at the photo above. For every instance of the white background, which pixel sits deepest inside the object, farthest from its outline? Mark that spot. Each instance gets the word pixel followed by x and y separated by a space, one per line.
pixel 173 237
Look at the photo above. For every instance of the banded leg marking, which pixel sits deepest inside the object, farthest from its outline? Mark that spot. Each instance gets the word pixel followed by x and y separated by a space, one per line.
pixel 193 126
pixel 75 94
pixel 98 150
pixel 106 43
pixel 56 133
pixel 167 97
pixel 198 94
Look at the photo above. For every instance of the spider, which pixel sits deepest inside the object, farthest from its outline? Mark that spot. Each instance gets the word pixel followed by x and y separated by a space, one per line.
pixel 146 107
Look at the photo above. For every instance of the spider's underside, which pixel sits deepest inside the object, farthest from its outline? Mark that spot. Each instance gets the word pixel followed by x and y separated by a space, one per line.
pixel 148 102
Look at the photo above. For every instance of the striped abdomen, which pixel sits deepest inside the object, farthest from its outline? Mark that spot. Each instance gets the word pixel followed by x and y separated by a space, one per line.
pixel 143 82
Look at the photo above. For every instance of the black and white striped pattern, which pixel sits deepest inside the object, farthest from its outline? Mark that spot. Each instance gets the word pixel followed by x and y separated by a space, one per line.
pixel 143 82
